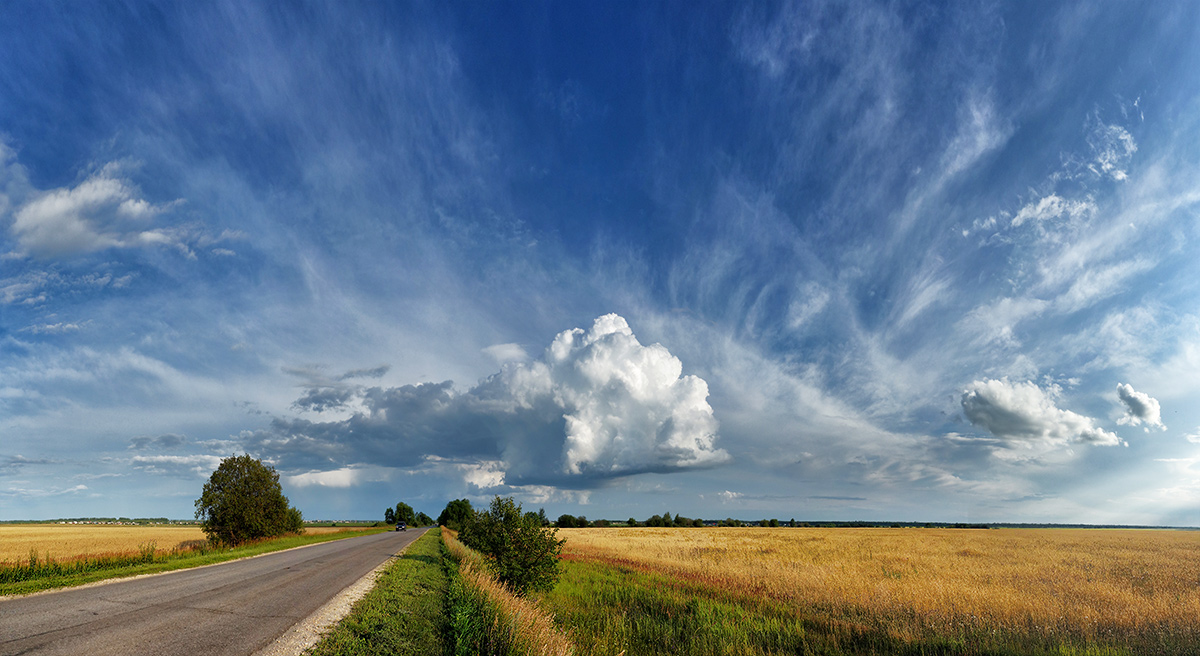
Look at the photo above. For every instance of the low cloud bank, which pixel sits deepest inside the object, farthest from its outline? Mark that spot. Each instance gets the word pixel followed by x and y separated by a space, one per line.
pixel 596 405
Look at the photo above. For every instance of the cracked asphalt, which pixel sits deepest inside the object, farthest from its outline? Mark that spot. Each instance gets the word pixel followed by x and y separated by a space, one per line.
pixel 232 608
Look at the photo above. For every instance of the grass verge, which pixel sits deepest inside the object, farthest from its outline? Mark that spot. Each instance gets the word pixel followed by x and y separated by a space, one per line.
pixel 403 614
pixel 486 618
pixel 46 574
pixel 608 609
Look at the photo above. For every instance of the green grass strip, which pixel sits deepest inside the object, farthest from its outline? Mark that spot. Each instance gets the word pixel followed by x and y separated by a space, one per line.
pixel 403 614
pixel 41 575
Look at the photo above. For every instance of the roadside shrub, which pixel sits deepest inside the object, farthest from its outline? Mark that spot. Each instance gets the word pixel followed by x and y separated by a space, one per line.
pixel 456 515
pixel 520 551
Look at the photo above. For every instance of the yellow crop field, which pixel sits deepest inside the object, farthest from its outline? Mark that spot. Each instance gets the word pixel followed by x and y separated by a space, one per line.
pixel 1087 584
pixel 69 541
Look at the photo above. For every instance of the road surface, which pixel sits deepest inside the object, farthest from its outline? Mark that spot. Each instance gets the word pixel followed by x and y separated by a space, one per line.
pixel 232 608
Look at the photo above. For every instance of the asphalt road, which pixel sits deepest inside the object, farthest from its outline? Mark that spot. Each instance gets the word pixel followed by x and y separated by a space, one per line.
pixel 232 608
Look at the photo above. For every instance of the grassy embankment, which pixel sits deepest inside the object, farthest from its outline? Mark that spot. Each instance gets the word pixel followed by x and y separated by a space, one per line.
pixel 42 570
pixel 886 591
pixel 404 614
pixel 485 618
pixel 438 598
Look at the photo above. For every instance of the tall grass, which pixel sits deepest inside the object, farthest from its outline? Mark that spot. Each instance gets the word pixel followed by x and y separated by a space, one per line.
pixel 487 618
pixel 43 566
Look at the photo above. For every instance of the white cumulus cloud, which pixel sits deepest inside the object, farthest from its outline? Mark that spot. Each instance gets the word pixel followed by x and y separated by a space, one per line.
pixel 1140 408
pixel 597 404
pixel 627 407
pixel 1025 415
pixel 103 211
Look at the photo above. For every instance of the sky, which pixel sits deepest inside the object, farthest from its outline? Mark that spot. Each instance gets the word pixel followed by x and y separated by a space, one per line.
pixel 815 260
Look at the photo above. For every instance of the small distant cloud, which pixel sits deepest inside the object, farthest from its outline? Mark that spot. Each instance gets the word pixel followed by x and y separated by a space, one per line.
pixel 503 353
pixel 730 496
pixel 194 464
pixel 342 477
pixel 1023 414
pixel 1140 408
pixel 223 252
pixel 1053 207
pixel 326 393
pixel 374 372
pixel 19 492
pixel 320 399
pixel 483 475
pixel 1193 437
pixel 1112 149
pixel 167 441
pixel 9 465
pixel 55 328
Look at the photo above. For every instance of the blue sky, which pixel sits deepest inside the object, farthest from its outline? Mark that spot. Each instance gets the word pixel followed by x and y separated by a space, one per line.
pixel 923 261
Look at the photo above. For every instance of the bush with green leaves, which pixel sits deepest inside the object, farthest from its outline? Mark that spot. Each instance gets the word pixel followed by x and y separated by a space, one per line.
pixel 521 552
pixel 456 515
pixel 242 501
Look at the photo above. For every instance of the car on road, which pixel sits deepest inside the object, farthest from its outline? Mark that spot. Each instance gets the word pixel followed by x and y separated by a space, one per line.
pixel 401 526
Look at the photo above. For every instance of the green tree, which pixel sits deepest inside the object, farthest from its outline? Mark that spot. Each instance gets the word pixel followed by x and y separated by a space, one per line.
pixel 405 514
pixel 521 552
pixel 456 515
pixel 242 500
pixel 389 516
pixel 424 520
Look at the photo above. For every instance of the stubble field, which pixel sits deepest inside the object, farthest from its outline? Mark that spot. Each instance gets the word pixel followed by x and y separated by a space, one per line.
pixel 877 590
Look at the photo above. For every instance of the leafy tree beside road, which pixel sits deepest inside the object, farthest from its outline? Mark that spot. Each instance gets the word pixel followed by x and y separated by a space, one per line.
pixel 405 514
pixel 242 501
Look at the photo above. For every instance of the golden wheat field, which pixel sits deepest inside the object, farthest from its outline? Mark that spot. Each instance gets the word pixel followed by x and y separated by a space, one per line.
pixel 68 541
pixel 1089 583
